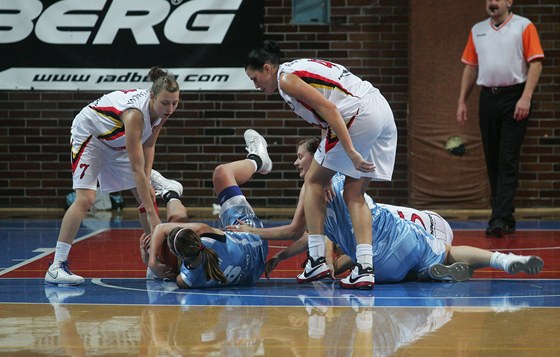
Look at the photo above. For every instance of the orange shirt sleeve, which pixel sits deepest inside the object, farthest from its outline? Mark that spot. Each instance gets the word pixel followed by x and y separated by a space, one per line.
pixel 531 44
pixel 469 53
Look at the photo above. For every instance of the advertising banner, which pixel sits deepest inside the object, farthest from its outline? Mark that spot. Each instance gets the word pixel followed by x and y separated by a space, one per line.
pixel 111 44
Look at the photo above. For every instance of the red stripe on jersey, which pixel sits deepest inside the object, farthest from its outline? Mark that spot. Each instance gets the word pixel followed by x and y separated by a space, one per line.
pixel 314 79
pixel 115 115
pixel 332 139
pixel 113 134
pixel 76 156
pixel 110 112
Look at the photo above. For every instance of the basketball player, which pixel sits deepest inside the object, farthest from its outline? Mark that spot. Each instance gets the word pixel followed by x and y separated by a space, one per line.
pixel 113 143
pixel 360 141
pixel 402 246
pixel 211 257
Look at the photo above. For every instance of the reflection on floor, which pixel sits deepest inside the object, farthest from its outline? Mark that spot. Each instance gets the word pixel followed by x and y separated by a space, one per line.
pixel 117 312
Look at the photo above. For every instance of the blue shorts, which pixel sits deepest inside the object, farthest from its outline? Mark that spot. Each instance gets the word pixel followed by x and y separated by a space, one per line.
pixel 237 207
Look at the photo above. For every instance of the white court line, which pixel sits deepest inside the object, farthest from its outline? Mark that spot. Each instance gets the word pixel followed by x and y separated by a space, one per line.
pixel 47 251
pixel 97 281
pixel 518 249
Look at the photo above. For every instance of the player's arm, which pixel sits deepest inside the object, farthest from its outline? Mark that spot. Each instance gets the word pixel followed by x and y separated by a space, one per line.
pixel 149 148
pixel 297 88
pixel 342 264
pixel 297 247
pixel 144 247
pixel 159 234
pixel 294 230
pixel 134 125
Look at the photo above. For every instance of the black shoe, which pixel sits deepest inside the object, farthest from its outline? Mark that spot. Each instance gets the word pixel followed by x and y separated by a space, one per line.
pixel 510 224
pixel 497 228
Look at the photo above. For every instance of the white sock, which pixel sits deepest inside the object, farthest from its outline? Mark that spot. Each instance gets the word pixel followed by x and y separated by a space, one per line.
pixel 61 313
pixel 364 255
pixel 499 261
pixel 316 326
pixel 254 163
pixel 316 245
pixel 61 252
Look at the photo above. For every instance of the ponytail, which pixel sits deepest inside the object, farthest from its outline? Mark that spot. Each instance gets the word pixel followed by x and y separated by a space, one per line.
pixel 186 244
pixel 212 266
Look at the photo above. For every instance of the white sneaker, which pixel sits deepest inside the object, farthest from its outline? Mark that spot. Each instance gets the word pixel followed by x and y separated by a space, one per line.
pixel 59 294
pixel 359 278
pixel 455 272
pixel 150 275
pixel 257 145
pixel 529 264
pixel 313 270
pixel 162 185
pixel 59 273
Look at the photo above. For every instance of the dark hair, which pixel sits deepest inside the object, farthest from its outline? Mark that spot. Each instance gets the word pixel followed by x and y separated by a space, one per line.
pixel 162 80
pixel 186 244
pixel 310 144
pixel 267 52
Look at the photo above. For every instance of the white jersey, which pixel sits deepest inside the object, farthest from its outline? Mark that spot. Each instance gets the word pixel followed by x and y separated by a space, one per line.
pixel 502 53
pixel 102 117
pixel 365 111
pixel 333 81
pixel 99 153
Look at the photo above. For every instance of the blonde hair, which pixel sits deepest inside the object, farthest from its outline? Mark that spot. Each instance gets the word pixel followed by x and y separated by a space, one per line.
pixel 162 80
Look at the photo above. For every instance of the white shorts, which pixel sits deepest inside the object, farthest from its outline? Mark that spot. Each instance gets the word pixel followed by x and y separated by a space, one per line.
pixel 93 162
pixel 432 222
pixel 374 136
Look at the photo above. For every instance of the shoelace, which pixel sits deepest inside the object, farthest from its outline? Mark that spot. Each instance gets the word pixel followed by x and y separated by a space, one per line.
pixel 252 145
pixel 64 266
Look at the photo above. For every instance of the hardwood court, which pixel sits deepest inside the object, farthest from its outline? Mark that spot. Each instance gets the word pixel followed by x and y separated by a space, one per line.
pixel 119 313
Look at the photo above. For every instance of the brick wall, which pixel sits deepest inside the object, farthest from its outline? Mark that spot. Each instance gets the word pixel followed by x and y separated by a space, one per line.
pixel 368 36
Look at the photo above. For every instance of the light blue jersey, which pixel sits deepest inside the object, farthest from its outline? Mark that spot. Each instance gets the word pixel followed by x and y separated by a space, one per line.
pixel 399 246
pixel 242 255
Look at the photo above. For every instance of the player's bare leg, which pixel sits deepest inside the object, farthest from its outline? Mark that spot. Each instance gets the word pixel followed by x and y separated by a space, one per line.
pixel 59 272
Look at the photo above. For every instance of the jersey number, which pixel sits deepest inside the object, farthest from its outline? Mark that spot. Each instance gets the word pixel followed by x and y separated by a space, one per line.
pixel 232 272
pixel 84 168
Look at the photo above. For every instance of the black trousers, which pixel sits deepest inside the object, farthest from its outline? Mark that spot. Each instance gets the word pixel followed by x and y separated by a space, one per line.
pixel 502 138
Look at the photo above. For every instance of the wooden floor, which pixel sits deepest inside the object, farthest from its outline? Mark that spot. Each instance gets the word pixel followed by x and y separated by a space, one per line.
pixel 117 312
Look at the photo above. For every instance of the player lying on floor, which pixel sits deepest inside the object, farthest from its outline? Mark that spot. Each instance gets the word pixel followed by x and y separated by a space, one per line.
pixel 401 247
pixel 211 257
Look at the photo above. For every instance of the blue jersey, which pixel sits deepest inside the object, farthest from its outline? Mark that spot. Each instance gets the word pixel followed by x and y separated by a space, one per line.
pixel 399 246
pixel 242 255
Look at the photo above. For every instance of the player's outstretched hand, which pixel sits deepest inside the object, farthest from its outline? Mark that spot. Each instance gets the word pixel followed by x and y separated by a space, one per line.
pixel 145 247
pixel 239 227
pixel 270 265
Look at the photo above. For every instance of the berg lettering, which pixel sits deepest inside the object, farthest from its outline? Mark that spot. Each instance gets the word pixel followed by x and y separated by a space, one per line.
pixel 76 21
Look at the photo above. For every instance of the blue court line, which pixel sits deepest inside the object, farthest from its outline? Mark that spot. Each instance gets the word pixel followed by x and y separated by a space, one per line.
pixel 492 293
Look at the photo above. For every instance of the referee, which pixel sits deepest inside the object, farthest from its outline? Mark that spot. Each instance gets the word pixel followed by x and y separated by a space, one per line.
pixel 504 56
